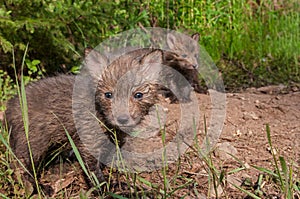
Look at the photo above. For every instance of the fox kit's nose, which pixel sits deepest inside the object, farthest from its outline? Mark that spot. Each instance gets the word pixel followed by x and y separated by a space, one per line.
pixel 123 119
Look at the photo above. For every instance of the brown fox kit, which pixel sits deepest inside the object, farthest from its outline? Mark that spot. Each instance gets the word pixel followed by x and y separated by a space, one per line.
pixel 50 112
pixel 186 54
pixel 125 94
pixel 185 50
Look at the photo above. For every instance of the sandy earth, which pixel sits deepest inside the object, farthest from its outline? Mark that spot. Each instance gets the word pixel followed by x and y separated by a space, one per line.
pixel 245 130
pixel 244 136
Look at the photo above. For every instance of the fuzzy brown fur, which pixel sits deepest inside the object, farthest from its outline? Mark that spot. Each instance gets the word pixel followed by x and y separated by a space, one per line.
pixel 123 80
pixel 49 104
pixel 50 112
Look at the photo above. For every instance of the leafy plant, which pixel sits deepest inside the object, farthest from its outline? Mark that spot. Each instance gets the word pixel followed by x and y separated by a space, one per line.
pixel 34 71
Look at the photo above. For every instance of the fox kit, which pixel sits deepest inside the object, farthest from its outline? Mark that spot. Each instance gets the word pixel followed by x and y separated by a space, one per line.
pixel 185 49
pixel 50 112
pixel 125 94
pixel 186 54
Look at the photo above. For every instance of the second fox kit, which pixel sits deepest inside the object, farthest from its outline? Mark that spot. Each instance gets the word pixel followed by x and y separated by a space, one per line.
pixel 186 52
pixel 50 112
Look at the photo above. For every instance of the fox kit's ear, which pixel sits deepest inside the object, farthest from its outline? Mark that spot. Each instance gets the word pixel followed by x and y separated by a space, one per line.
pixel 94 63
pixel 94 58
pixel 156 56
pixel 195 36
pixel 171 41
pixel 151 66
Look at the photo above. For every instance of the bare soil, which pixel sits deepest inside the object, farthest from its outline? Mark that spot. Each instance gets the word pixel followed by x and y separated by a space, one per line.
pixel 243 136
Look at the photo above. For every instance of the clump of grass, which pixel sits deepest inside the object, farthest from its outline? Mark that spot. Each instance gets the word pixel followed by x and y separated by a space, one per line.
pixel 24 109
pixel 283 175
pixel 23 104
pixel 283 178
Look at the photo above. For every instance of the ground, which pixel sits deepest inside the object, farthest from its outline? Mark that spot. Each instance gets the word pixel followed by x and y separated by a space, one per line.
pixel 243 136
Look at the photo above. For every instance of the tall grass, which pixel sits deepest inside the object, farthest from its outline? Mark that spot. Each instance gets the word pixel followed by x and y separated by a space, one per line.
pixel 24 110
pixel 253 44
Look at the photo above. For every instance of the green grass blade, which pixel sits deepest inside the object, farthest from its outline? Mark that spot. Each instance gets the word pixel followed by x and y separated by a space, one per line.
pixel 77 154
pixel 146 182
pixel 274 156
pixel 180 187
pixel 4 196
pixel 236 170
pixel 75 149
pixel 116 196
pixel 269 136
pixel 149 184
pixel 265 171
pixel 288 184
pixel 2 139
pixel 246 192
pixel 24 109
pixel 283 165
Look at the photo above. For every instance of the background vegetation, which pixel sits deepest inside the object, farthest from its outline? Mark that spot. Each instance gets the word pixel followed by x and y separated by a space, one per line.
pixel 253 43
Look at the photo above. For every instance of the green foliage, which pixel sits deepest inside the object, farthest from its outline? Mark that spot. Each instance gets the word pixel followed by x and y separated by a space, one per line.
pixel 33 70
pixel 253 42
pixel 75 69
pixel 56 30
pixel 7 88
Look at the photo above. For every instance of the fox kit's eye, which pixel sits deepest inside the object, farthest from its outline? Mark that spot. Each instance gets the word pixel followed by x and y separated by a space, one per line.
pixel 184 55
pixel 138 95
pixel 108 95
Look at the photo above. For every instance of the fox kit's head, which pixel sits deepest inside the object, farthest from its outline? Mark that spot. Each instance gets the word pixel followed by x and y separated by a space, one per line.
pixel 127 89
pixel 185 50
